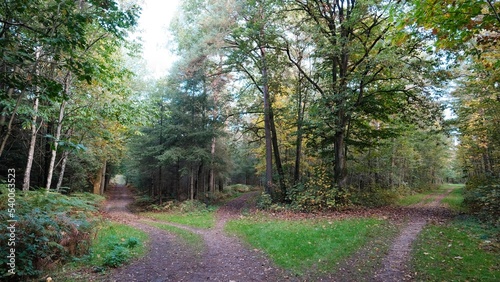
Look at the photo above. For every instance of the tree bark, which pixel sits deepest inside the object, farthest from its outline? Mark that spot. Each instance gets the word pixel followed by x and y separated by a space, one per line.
pixel 57 137
pixel 63 168
pixel 277 157
pixel 31 150
pixel 340 158
pixel 99 181
pixel 191 183
pixel 11 120
pixel 267 122
pixel 211 176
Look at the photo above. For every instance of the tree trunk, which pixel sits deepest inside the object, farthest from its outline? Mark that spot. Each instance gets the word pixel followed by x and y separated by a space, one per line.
pixel 298 144
pixel 11 120
pixel 191 183
pixel 267 124
pixel 63 168
pixel 100 180
pixel 277 157
pixel 103 178
pixel 211 176
pixel 31 150
pixel 57 137
pixel 340 161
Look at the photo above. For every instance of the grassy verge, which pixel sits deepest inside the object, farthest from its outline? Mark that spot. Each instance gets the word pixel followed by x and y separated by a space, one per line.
pixel 300 246
pixel 462 250
pixel 116 244
pixel 455 199
pixel 191 239
pixel 195 219
pixel 425 197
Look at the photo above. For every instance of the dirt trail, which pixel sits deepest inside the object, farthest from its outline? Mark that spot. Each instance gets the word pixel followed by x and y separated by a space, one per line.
pixel 395 264
pixel 225 258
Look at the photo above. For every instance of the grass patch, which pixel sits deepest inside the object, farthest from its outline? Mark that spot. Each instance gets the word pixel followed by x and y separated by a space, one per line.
pixel 198 219
pixel 116 244
pixel 426 197
pixel 456 198
pixel 414 199
pixel 300 246
pixel 463 250
pixel 191 239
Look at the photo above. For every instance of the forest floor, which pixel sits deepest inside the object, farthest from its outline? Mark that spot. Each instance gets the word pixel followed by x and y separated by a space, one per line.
pixel 226 258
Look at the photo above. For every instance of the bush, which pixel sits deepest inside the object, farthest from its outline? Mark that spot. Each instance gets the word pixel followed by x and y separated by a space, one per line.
pixel 119 251
pixel 318 198
pixel 192 206
pixel 264 202
pixel 117 256
pixel 484 201
pixel 377 197
pixel 50 228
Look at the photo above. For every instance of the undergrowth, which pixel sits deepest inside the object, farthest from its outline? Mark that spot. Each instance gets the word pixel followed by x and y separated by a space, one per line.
pixel 50 229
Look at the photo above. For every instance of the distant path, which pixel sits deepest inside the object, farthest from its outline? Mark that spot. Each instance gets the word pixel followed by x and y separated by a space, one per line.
pixel 225 258
pixel 395 264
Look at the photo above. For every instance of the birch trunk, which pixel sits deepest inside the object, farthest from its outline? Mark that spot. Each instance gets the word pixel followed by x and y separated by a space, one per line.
pixel 63 168
pixel 56 144
pixel 31 150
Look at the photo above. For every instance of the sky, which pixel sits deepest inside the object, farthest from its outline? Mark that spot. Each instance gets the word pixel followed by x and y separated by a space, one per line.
pixel 153 24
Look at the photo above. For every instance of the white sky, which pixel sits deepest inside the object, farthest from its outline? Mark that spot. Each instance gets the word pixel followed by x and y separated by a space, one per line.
pixel 154 20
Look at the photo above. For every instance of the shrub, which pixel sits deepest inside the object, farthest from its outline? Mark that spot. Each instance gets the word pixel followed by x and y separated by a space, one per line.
pixel 119 251
pixel 117 256
pixel 484 201
pixel 51 228
pixel 318 198
pixel 376 197
pixel 264 201
pixel 192 206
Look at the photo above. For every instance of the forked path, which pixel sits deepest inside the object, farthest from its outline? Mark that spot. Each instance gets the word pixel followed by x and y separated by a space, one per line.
pixel 224 257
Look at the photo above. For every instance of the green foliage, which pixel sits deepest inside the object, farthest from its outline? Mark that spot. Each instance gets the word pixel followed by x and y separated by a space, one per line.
pixel 484 200
pixel 116 256
pixel 375 197
pixel 264 201
pixel 118 251
pixel 304 245
pixel 462 250
pixel 115 244
pixel 318 194
pixel 51 229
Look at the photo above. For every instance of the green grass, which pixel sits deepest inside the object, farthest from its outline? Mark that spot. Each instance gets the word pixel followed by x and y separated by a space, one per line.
pixel 191 239
pixel 197 219
pixel 116 233
pixel 463 250
pixel 109 234
pixel 455 199
pixel 454 202
pixel 304 245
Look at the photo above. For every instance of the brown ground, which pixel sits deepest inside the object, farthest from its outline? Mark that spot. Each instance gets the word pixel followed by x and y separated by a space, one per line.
pixel 225 258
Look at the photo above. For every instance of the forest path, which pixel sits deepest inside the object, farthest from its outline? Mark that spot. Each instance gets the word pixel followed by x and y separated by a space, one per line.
pixel 395 264
pixel 224 258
